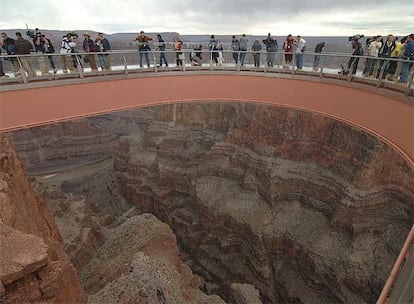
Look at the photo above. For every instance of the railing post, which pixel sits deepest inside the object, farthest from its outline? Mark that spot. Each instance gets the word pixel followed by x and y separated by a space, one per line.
pixel 211 60
pixel 155 61
pixel 80 69
pixel 125 65
pixel 22 71
pixel 381 74
pixel 183 61
pixel 293 63
pixel 409 91
pixel 321 63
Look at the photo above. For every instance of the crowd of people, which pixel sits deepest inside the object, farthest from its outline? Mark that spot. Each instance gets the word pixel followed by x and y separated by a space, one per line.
pixel 293 48
pixel 379 53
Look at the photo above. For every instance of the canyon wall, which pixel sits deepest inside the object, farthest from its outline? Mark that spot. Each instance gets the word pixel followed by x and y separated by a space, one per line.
pixel 302 207
pixel 33 267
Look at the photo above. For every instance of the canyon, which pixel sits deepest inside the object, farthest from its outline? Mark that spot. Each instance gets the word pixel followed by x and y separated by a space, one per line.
pixel 210 203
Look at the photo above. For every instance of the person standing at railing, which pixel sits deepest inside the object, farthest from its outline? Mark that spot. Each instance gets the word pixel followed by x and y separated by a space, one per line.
pixel 318 49
pixel 24 47
pixel 196 56
pixel 407 55
pixel 178 44
pixel 49 49
pixel 103 46
pixel 89 47
pixel 288 48
pixel 39 44
pixel 243 48
pixel 8 46
pixel 396 54
pixel 300 45
pixel 66 49
pixel 2 74
pixel 213 49
pixel 220 57
pixel 235 47
pixel 357 50
pixel 271 49
pixel 373 50
pixel 256 48
pixel 143 47
pixel 385 52
pixel 161 49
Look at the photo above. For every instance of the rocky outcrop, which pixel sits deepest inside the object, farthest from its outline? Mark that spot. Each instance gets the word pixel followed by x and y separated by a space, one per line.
pixel 303 207
pixel 140 263
pixel 33 264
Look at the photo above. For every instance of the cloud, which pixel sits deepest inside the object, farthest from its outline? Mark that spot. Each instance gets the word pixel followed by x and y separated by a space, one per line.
pixel 310 17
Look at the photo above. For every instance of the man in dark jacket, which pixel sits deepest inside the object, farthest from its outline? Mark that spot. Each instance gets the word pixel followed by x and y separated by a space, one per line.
pixel 318 49
pixel 271 49
pixel 2 74
pixel 103 46
pixel 40 48
pixel 357 51
pixel 161 48
pixel 8 46
pixel 88 47
pixel 235 47
pixel 385 52
pixel 24 47
pixel 407 55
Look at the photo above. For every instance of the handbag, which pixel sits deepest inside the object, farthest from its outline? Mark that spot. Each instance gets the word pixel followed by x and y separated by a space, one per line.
pixel 181 56
pixel 85 59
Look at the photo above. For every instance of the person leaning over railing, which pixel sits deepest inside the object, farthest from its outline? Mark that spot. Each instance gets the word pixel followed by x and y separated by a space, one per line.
pixel 407 55
pixel 24 47
pixel 318 49
pixel 8 46
pixel 143 47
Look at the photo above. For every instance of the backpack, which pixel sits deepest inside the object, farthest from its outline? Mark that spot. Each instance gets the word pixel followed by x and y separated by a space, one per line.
pixel 303 49
pixel 11 49
pixel 50 48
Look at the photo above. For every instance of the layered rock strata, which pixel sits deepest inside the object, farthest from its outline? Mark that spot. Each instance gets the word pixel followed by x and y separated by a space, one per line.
pixel 302 207
pixel 305 208
pixel 33 267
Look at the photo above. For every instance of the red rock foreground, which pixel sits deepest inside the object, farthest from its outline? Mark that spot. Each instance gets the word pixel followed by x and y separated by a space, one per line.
pixel 33 265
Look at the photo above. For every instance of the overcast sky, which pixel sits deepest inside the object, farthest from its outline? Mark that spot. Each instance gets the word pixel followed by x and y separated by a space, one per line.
pixel 280 17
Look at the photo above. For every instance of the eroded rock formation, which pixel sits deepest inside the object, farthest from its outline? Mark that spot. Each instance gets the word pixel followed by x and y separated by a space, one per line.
pixel 33 267
pixel 140 263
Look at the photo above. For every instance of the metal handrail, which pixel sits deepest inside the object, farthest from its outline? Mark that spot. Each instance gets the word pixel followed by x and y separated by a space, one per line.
pixel 325 69
pixel 396 268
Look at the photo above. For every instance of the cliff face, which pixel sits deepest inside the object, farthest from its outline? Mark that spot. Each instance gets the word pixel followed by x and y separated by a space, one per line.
pixel 303 207
pixel 34 266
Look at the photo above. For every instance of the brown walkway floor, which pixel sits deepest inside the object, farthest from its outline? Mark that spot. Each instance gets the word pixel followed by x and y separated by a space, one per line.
pixel 388 118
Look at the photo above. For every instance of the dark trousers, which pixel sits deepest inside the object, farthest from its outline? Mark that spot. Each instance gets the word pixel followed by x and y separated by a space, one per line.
pixel 162 57
pixel 141 54
pixel 236 56
pixel 1 68
pixel 52 63
pixel 353 62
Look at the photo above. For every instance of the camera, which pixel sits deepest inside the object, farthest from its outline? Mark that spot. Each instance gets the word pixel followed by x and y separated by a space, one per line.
pixel 34 34
pixel 355 37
